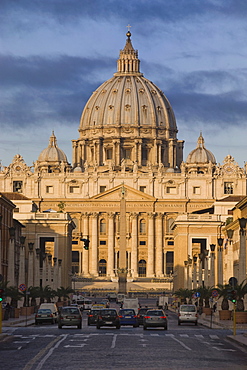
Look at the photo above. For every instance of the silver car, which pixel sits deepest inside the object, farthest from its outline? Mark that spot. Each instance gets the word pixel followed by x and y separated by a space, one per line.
pixel 155 318
pixel 187 313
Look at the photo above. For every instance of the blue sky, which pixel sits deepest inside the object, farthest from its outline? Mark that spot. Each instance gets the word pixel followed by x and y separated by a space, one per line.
pixel 55 53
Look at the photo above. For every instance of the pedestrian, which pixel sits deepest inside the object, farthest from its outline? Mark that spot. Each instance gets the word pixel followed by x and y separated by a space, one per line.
pixel 7 311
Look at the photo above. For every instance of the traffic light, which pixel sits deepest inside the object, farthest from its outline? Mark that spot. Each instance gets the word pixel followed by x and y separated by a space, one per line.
pixel 86 243
pixel 232 295
pixel 1 294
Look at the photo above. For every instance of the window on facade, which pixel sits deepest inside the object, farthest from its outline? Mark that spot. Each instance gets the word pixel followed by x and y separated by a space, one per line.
pixel 142 268
pixel 142 242
pixel 144 154
pixel 49 189
pixel 74 189
pixel 169 262
pixel 171 190
pixel 228 187
pixel 143 189
pixel 102 189
pixel 102 242
pixel 127 153
pixel 196 190
pixel 142 227
pixel 75 262
pixel 102 267
pixel 108 153
pixel 102 227
pixel 17 186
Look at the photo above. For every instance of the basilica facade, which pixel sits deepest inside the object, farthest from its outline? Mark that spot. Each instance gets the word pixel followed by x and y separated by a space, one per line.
pixel 128 143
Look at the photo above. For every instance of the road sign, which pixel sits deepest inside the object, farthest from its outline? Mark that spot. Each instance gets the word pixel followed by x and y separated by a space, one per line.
pixel 197 295
pixel 233 281
pixel 22 287
pixel 215 293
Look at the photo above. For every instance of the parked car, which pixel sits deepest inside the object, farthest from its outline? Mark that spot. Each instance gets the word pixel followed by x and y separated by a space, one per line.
pixel 141 313
pixel 44 315
pixel 128 317
pixel 108 317
pixel 187 313
pixel 70 316
pixel 52 307
pixel 106 302
pixel 93 316
pixel 155 318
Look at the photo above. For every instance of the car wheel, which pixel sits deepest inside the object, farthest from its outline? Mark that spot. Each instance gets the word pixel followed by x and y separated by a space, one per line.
pixel 118 326
pixel 59 326
pixel 98 326
pixel 179 323
pixel 196 323
pixel 144 327
pixel 79 326
pixel 36 322
pixel 88 324
pixel 52 322
pixel 165 327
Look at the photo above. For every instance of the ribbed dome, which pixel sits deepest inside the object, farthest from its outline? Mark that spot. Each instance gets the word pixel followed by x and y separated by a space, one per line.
pixel 200 154
pixel 129 98
pixel 52 153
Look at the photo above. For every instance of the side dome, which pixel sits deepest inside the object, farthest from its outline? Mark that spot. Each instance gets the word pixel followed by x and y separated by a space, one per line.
pixel 52 159
pixel 200 154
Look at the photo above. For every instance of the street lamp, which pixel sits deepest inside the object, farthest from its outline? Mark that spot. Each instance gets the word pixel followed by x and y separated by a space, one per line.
pixel 242 249
pixel 230 233
pixel 194 272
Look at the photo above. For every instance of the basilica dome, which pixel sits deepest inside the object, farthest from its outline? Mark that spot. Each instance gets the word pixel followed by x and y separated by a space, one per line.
pixel 127 123
pixel 200 154
pixel 129 98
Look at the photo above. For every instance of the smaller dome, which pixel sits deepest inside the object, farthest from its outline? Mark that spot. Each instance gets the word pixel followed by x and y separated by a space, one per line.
pixel 52 153
pixel 77 169
pixel 200 154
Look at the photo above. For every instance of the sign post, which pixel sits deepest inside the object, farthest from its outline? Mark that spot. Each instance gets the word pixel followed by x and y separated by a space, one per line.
pixel 233 282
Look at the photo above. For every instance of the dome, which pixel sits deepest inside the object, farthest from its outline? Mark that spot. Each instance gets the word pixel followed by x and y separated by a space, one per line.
pixel 52 153
pixel 200 154
pixel 128 98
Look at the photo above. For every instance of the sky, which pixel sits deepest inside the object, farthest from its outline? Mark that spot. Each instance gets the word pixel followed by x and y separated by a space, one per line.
pixel 55 53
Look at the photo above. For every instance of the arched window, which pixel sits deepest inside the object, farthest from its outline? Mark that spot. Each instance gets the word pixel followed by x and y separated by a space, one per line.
pixel 142 226
pixel 102 267
pixel 102 226
pixel 142 268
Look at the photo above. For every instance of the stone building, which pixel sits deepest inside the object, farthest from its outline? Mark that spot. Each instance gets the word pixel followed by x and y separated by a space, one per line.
pixel 175 208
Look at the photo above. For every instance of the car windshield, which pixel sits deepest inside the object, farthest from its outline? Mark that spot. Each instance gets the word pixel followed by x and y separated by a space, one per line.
pixel 73 311
pixel 94 312
pixel 127 312
pixel 46 311
pixel 108 312
pixel 187 309
pixel 155 313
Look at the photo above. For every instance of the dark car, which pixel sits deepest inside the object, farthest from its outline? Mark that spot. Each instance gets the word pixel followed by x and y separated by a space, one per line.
pixel 108 317
pixel 43 316
pixel 155 318
pixel 93 316
pixel 70 316
pixel 141 314
pixel 128 316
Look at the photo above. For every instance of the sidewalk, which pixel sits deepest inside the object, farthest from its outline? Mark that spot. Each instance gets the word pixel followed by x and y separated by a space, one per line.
pixel 214 323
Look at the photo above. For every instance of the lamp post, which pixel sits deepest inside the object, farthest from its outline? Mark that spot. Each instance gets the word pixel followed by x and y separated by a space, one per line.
pixel 186 274
pixel 242 250
pixel 201 277
pixel 212 265
pixel 205 253
pixel 189 281
pixel 194 272
pixel 220 241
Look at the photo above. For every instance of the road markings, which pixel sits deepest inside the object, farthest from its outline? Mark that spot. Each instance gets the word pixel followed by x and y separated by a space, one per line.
pixel 184 336
pixel 41 353
pixel 225 349
pixel 182 344
pixel 22 341
pixel 214 336
pixel 199 336
pixel 114 341
pixel 77 346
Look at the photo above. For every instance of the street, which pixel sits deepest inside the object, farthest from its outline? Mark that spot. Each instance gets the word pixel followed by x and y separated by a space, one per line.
pixel 186 346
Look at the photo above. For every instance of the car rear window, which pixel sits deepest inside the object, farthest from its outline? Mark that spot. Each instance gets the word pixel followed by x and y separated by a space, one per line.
pixel 142 310
pixel 74 311
pixel 187 309
pixel 155 313
pixel 94 312
pixel 46 311
pixel 127 312
pixel 108 312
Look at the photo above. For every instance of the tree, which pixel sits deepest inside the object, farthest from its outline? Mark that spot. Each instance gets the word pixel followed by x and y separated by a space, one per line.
pixel 46 293
pixel 63 293
pixel 205 295
pixel 15 295
pixel 184 294
pixel 34 294
pixel 241 290
pixel 223 290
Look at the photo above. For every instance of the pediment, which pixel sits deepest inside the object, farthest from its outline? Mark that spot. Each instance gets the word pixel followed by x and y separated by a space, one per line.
pixel 130 194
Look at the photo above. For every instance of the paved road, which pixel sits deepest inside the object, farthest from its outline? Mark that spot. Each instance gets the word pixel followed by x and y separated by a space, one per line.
pixel 180 347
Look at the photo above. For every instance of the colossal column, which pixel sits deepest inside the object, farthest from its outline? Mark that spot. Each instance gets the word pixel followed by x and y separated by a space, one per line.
pixel 94 244
pixel 134 245
pixel 110 261
pixel 150 264
pixel 85 253
pixel 159 247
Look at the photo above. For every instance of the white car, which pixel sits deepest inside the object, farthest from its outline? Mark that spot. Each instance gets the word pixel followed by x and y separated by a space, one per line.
pixel 187 313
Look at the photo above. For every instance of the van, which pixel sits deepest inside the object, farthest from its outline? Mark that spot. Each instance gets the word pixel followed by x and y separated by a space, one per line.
pixel 87 304
pixel 187 313
pixel 52 307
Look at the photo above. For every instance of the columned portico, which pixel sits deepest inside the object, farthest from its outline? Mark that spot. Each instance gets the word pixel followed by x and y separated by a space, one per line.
pixel 134 262
pixel 150 265
pixel 111 239
pixel 159 246
pixel 94 244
